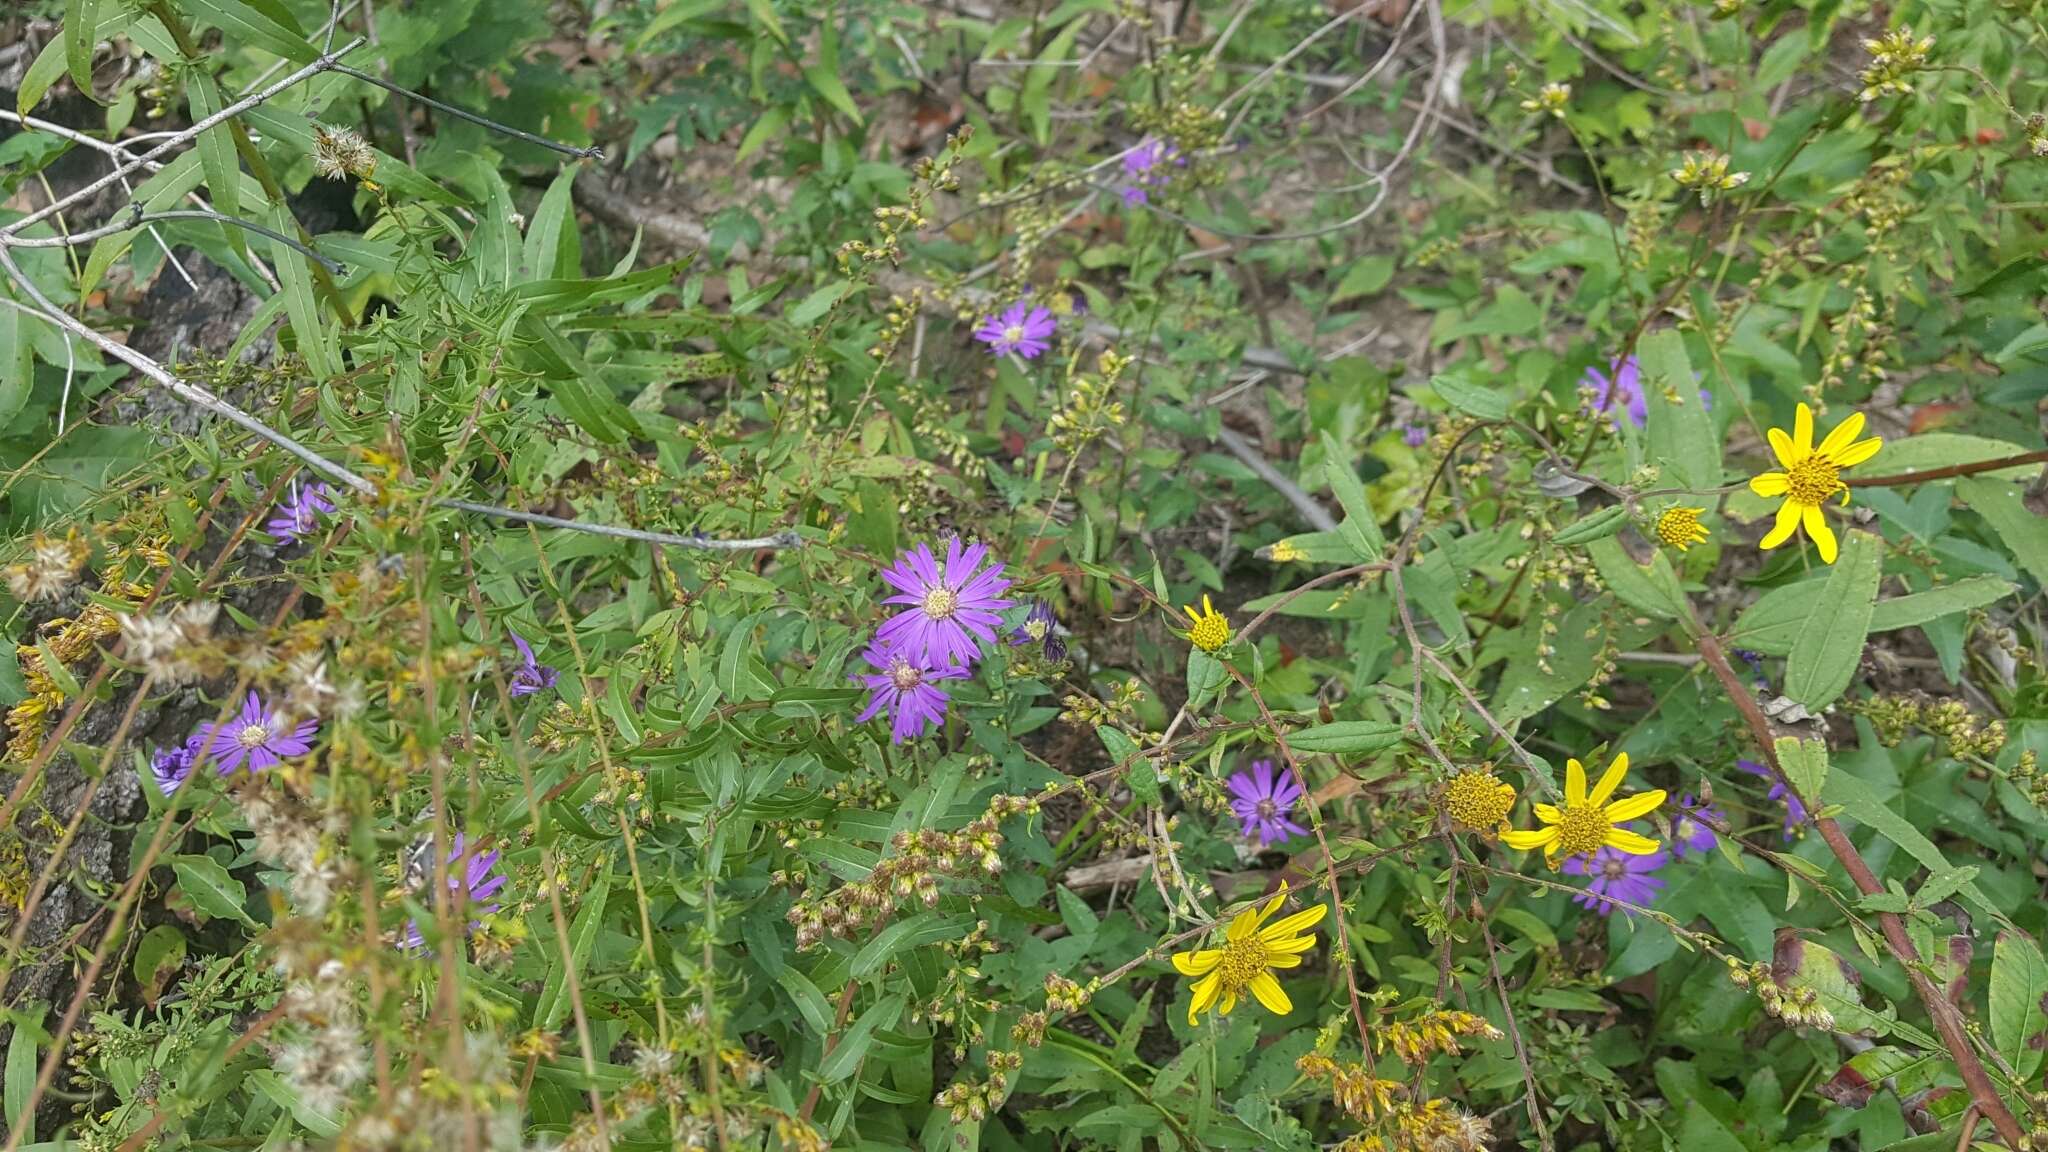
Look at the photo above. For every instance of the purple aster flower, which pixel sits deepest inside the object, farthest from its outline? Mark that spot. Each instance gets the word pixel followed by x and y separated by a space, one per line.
pixel 1149 166
pixel 531 676
pixel 298 514
pixel 257 740
pixel 1038 624
pixel 953 610
pixel 475 878
pixel 1692 831
pixel 1795 812
pixel 1414 435
pixel 1623 390
pixel 1618 875
pixel 1263 801
pixel 171 766
pixel 904 687
pixel 1024 328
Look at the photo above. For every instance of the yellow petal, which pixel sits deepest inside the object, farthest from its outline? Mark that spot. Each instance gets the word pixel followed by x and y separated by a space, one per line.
pixel 1271 906
pixel 1282 960
pixel 1770 484
pixel 1635 844
pixel 1197 963
pixel 1783 448
pixel 1294 925
pixel 1270 994
pixel 1229 1002
pixel 1574 783
pixel 1548 813
pixel 1205 995
pixel 1242 925
pixel 1507 790
pixel 1529 841
pixel 1190 610
pixel 1802 431
pixel 1610 780
pixel 1823 537
pixel 1639 805
pixel 1857 453
pixel 1843 435
pixel 1208 609
pixel 1788 523
pixel 1289 946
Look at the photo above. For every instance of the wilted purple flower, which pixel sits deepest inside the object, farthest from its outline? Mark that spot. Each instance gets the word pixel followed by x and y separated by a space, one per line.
pixel 299 512
pixel 1618 875
pixel 903 686
pixel 1148 166
pixel 1023 328
pixel 1263 801
pixel 1414 435
pixel 1795 812
pixel 1755 660
pixel 257 739
pixel 531 676
pixel 1692 831
pixel 474 877
pixel 950 608
pixel 171 766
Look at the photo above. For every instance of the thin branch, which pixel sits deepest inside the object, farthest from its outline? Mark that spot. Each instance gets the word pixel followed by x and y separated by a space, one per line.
pixel 137 218
pixel 1971 469
pixel 591 153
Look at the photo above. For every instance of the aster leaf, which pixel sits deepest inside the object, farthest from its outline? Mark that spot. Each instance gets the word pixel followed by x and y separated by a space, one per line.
pixel 1805 764
pixel 1651 588
pixel 1680 432
pixel 1347 737
pixel 1359 526
pixel 1596 525
pixel 854 1043
pixel 210 889
pixel 2019 1001
pixel 1471 398
pixel 2022 529
pixel 553 1005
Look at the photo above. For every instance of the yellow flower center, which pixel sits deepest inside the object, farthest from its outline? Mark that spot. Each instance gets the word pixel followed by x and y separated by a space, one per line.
pixel 253 736
pixel 1582 829
pixel 1035 629
pixel 1243 960
pixel 905 675
pixel 940 602
pixel 1210 632
pixel 1680 528
pixel 1813 480
pixel 1476 800
pixel 1014 334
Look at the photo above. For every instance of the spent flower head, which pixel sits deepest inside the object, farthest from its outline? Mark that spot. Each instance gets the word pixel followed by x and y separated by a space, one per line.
pixel 1477 800
pixel 339 153
pixel 1894 58
pixel 52 567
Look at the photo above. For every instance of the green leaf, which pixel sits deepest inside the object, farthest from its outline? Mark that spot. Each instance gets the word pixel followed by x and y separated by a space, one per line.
pixel 552 234
pixel 763 12
pixel 769 126
pixel 1347 737
pixel 1917 608
pixel 1680 433
pixel 1205 678
pixel 244 25
pixel 1651 588
pixel 1596 525
pixel 1364 278
pixel 216 149
pixel 818 303
pixel 1772 623
pixel 2019 1018
pixel 1139 774
pixel 1470 398
pixel 1862 805
pixel 1829 645
pixel 905 936
pixel 157 958
pixel 21 1070
pixel 2023 530
pixel 553 1005
pixel 1932 450
pixel 1805 764
pixel 1359 524
pixel 81 21
pixel 210 889
pixel 854 1043
pixel 674 16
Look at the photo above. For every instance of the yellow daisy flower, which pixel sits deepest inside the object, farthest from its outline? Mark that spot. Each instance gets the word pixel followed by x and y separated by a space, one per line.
pixel 1211 629
pixel 1248 957
pixel 1586 823
pixel 1811 476
pixel 1680 528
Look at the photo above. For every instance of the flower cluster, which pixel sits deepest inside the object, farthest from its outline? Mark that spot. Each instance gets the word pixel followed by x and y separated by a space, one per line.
pixel 1894 58
pixel 1707 173
pixel 1550 100
pixel 170 646
pixel 1353 1089
pixel 1797 1005
pixel 1435 1031
pixel 919 860
pixel 950 613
